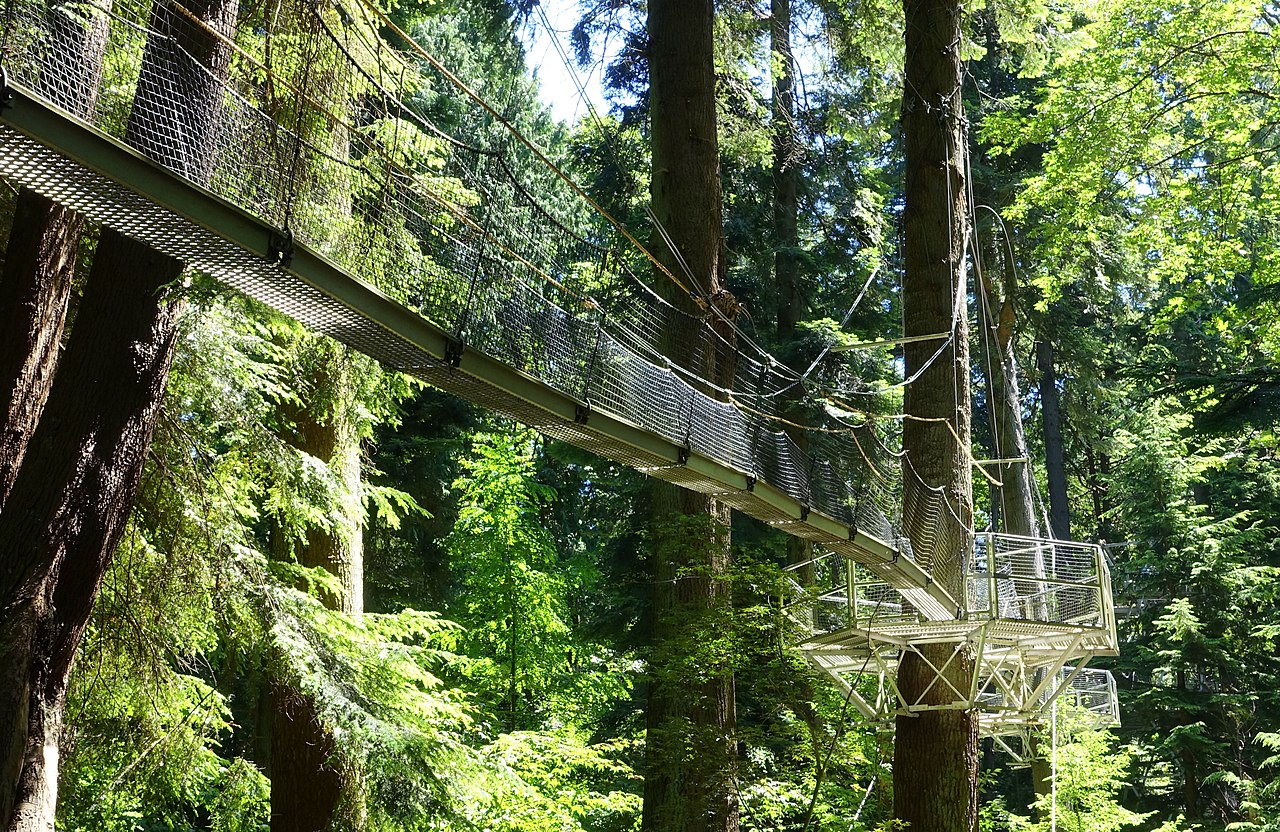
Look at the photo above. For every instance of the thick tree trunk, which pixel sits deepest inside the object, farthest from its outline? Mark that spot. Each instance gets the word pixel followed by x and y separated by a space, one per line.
pixel 34 290
pixel 69 503
pixel 1004 403
pixel 935 765
pixel 308 777
pixel 326 426
pixel 1015 500
pixel 40 258
pixel 1054 458
pixel 70 499
pixel 786 260
pixel 690 765
pixel 786 174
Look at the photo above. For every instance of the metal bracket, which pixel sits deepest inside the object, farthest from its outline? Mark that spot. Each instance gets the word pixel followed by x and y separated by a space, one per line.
pixel 453 352
pixel 804 513
pixel 751 483
pixel 582 413
pixel 683 456
pixel 280 248
pixel 6 92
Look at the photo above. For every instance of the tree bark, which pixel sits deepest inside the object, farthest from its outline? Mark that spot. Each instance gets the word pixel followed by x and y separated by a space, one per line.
pixel 1015 499
pixel 326 426
pixel 71 498
pixel 309 777
pixel 1054 458
pixel 40 258
pixel 786 173
pixel 34 291
pixel 1004 403
pixel 72 495
pixel 936 752
pixel 306 778
pixel 690 752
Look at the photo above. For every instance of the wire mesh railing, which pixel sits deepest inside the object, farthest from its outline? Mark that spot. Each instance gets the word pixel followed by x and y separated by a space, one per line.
pixel 305 116
pixel 1038 590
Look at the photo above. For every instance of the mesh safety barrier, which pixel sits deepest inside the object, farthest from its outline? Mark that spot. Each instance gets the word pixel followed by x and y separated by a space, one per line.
pixel 302 124
pixel 325 132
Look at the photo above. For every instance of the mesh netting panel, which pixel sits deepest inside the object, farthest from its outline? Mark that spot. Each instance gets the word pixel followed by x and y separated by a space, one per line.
pixel 1022 578
pixel 780 462
pixel 314 125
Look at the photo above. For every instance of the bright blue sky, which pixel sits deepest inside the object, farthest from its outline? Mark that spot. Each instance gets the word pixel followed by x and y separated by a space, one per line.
pixel 558 89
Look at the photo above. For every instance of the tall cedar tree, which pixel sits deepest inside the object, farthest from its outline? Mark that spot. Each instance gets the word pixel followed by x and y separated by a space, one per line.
pixel 690 748
pixel 786 211
pixel 72 495
pixel 40 259
pixel 935 766
pixel 308 777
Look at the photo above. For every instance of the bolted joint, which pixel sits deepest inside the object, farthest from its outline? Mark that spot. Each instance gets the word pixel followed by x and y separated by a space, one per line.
pixel 6 92
pixel 280 248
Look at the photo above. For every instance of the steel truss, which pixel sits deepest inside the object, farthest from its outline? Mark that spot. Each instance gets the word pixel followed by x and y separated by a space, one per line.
pixel 1037 611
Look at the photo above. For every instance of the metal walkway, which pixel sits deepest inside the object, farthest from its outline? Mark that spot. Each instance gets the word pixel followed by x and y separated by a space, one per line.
pixel 70 162
pixel 484 293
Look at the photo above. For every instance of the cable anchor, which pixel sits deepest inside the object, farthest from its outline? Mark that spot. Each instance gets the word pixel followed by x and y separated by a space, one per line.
pixel 280 248
pixel 453 352
pixel 6 91
pixel 582 413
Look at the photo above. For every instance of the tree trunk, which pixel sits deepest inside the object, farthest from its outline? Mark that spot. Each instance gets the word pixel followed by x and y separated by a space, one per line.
pixel 69 503
pixel 34 290
pixel 40 258
pixel 1054 458
pixel 786 261
pixel 308 776
pixel 690 751
pixel 935 765
pixel 70 499
pixel 1015 499
pixel 1004 404
pixel 306 780
pixel 326 426
pixel 786 170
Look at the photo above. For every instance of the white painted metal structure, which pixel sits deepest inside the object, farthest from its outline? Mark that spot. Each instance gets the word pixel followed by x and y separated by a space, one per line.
pixel 500 328
pixel 1036 612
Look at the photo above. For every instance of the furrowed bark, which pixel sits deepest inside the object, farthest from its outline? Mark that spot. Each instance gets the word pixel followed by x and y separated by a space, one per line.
pixel 40 259
pixel 936 752
pixel 690 765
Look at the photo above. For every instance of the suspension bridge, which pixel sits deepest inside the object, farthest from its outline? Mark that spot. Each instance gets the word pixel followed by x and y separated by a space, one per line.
pixel 297 157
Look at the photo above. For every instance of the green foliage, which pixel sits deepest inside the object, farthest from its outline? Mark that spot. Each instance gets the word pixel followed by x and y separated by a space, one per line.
pixel 556 781
pixel 511 595
pixel 1089 772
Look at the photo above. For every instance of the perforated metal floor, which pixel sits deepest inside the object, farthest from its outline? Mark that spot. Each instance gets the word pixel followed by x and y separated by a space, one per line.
pixel 72 163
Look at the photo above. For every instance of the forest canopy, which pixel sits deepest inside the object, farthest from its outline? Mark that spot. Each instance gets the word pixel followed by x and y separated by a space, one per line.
pixel 252 578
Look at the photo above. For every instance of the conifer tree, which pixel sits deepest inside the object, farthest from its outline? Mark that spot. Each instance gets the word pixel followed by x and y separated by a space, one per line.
pixel 935 766
pixel 690 715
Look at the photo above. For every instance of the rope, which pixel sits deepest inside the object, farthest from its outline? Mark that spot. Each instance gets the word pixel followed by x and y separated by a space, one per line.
pixel 527 142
